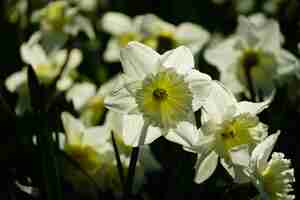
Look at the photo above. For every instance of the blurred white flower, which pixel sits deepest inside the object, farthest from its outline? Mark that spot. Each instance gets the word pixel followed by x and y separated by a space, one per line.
pixel 159 94
pixel 92 149
pixel 60 18
pixel 150 30
pixel 255 49
pixel 46 66
pixel 230 130
pixel 240 6
pixel 89 102
pixel 272 179
pixel 273 6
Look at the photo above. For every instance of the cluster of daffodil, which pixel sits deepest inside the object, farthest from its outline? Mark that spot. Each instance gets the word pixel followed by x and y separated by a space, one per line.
pixel 158 93
pixel 159 96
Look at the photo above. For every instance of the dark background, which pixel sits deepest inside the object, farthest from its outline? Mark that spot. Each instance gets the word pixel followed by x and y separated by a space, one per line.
pixel 284 113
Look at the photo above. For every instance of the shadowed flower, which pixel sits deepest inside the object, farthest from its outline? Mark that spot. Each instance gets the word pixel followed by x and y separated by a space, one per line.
pixel 47 67
pixel 151 31
pixel 89 102
pixel 255 51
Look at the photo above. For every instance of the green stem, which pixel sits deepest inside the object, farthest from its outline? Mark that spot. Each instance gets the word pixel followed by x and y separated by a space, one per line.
pixel 119 163
pixel 133 162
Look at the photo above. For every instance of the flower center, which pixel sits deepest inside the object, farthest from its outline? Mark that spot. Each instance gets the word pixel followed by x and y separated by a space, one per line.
pixel 164 99
pixel 250 59
pixel 160 94
pixel 236 132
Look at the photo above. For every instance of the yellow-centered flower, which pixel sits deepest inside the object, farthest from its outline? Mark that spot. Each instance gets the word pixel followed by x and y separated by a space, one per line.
pixel 159 92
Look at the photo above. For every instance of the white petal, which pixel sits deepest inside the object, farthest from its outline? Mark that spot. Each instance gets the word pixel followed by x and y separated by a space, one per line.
pixel 271 37
pixel 120 100
pixel 262 151
pixel 114 122
pixel 116 23
pixel 33 55
pixel 80 93
pixel 240 155
pixel 96 136
pixel 219 103
pixel 247 31
pixel 75 59
pixel 223 55
pixel 191 35
pixel 74 129
pixel 181 59
pixel 230 80
pixel 254 108
pixel 228 167
pixel 185 134
pixel 134 132
pixel 15 80
pixel 200 86
pixel 86 26
pixel 64 83
pixel 106 88
pixel 139 60
pixel 112 51
pixel 205 166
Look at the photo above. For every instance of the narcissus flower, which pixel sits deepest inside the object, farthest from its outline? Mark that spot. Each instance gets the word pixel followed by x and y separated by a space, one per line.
pixel 274 178
pixel 89 102
pixel 255 51
pixel 151 31
pixel 59 19
pixel 84 145
pixel 159 95
pixel 92 149
pixel 230 130
pixel 47 67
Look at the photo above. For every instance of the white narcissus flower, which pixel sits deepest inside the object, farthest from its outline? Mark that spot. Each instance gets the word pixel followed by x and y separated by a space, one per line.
pixel 274 178
pixel 230 130
pixel 169 36
pixel 60 18
pixel 255 49
pixel 47 67
pixel 159 94
pixel 150 30
pixel 92 149
pixel 84 145
pixel 89 102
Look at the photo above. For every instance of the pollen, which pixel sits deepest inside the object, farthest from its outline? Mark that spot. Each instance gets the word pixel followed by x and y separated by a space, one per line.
pixel 160 94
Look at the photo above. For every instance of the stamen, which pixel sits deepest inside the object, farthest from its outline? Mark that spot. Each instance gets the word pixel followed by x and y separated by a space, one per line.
pixel 160 94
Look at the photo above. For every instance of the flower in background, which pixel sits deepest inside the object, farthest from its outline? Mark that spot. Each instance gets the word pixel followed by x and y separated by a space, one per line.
pixel 274 178
pixel 159 95
pixel 273 6
pixel 16 12
pixel 230 130
pixel 88 101
pixel 240 6
pixel 255 51
pixel 58 20
pixel 151 31
pixel 93 150
pixel 46 66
